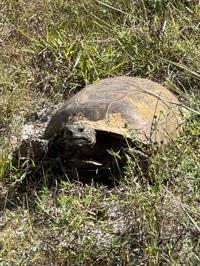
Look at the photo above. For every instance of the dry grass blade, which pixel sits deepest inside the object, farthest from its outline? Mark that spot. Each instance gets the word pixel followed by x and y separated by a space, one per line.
pixel 165 100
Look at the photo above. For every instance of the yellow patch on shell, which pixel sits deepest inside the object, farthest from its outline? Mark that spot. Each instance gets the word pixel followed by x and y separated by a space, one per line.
pixel 114 123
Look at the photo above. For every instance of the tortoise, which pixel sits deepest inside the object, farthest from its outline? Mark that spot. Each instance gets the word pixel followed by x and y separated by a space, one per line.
pixel 109 115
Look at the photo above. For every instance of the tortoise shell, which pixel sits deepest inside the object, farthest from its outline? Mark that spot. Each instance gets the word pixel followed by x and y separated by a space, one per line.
pixel 127 106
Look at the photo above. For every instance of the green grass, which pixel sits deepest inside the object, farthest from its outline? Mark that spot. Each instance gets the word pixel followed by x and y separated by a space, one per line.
pixel 52 49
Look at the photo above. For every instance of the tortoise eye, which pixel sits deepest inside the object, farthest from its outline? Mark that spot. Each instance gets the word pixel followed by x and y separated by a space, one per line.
pixel 80 129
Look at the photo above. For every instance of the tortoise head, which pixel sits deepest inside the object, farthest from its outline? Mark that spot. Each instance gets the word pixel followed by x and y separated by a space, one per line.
pixel 79 135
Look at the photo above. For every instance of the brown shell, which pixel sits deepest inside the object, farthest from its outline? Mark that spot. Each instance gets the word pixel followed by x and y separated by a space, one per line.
pixel 128 106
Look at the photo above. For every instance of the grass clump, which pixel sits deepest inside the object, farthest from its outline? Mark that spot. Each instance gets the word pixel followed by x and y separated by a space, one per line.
pixel 52 49
pixel 87 225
